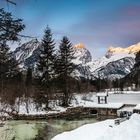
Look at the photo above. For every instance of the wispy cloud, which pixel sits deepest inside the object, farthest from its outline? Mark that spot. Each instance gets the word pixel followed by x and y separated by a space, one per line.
pixel 96 23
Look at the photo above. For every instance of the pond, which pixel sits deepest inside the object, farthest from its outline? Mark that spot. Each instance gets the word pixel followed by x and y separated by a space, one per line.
pixel 39 130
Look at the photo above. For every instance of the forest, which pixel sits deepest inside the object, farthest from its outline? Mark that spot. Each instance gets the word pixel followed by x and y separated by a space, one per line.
pixel 53 79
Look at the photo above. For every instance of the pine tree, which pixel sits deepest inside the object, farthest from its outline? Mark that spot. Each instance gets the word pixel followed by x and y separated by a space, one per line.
pixel 136 70
pixel 64 67
pixel 9 27
pixel 28 88
pixel 28 81
pixel 46 61
pixel 9 31
pixel 137 59
pixel 8 64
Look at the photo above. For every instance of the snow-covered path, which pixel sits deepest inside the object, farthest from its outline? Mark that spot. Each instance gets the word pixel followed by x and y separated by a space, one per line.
pixel 105 130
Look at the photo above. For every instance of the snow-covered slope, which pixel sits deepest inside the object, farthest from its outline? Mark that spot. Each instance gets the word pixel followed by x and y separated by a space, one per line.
pixel 105 130
pixel 113 65
pixel 108 58
pixel 27 54
pixel 81 54
pixel 81 57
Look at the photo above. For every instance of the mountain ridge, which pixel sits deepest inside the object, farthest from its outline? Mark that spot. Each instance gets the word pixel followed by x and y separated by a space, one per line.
pixel 114 63
pixel 131 49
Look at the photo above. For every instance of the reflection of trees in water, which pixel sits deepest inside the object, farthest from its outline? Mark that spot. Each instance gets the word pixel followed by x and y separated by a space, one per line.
pixel 45 133
pixel 7 134
pixel 54 127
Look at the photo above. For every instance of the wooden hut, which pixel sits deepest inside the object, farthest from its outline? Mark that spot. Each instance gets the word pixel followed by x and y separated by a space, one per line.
pixel 102 98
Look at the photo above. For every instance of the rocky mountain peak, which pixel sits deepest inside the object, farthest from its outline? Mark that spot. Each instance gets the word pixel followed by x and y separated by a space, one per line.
pixel 79 46
pixel 26 50
pixel 131 49
pixel 81 54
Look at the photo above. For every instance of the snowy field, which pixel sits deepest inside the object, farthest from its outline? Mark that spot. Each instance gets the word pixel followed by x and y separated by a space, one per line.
pixel 105 130
pixel 130 97
pixel 114 100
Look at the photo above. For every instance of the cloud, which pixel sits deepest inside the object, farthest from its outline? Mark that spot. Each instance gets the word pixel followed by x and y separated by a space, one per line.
pixel 114 27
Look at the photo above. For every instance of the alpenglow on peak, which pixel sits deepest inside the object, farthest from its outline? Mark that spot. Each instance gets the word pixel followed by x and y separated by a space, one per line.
pixel 79 46
pixel 131 49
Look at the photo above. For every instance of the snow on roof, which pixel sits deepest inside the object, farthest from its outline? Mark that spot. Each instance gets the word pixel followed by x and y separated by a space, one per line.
pixel 103 94
pixel 108 105
pixel 127 108
pixel 137 107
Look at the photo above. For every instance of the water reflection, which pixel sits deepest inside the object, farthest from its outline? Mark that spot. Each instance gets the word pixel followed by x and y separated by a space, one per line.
pixel 54 127
pixel 39 130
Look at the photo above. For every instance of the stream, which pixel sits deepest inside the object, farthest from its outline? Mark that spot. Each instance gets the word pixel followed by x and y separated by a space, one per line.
pixel 39 130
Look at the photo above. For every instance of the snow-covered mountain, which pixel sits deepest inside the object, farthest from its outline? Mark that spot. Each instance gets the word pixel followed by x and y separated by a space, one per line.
pixel 81 54
pixel 116 63
pixel 27 54
pixel 114 69
pixel 113 65
pixel 131 49
pixel 81 57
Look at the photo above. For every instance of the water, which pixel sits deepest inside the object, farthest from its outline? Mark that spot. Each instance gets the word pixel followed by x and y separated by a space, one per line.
pixel 28 130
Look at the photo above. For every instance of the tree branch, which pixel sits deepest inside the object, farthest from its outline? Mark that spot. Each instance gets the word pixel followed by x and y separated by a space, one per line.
pixel 11 2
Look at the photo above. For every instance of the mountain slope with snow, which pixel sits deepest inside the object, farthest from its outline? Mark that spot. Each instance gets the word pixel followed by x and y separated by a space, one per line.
pixel 81 54
pixel 115 65
pixel 27 54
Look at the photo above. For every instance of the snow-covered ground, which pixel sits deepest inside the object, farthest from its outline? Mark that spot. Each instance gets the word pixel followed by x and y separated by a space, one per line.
pixel 105 130
pixel 90 100
pixel 85 100
pixel 128 97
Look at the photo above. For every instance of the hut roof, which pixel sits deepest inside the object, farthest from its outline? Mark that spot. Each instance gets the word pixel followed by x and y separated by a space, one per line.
pixel 103 94
pixel 137 107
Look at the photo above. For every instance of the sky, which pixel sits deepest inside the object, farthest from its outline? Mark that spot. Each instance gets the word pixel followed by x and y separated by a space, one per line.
pixel 99 24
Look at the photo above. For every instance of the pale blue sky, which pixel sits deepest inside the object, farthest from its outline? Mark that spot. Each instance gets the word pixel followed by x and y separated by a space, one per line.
pixel 96 23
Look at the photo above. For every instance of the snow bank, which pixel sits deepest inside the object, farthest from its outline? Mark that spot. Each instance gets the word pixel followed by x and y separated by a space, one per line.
pixel 105 130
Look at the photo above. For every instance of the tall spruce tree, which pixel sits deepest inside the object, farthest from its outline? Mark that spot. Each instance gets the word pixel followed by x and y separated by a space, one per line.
pixel 28 88
pixel 64 68
pixel 46 61
pixel 137 59
pixel 136 70
pixel 28 81
pixel 9 31
pixel 8 64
